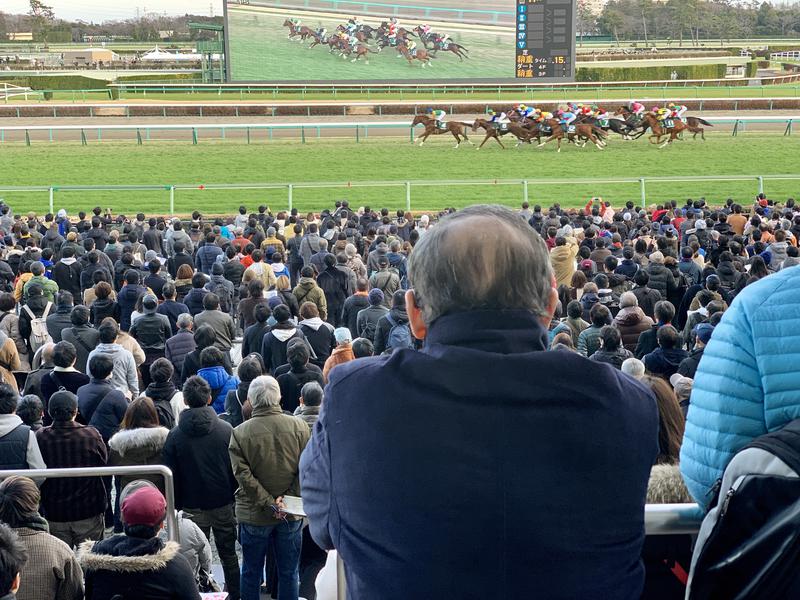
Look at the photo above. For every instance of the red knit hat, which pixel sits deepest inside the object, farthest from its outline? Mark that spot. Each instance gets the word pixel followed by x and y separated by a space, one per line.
pixel 144 507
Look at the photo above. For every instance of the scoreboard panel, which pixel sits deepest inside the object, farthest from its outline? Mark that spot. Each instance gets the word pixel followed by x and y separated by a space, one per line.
pixel 545 40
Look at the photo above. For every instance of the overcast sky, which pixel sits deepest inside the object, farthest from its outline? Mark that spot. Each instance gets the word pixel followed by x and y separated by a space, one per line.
pixel 102 10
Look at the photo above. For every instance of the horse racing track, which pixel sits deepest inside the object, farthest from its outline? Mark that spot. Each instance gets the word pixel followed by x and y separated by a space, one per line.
pixel 261 50
pixel 394 161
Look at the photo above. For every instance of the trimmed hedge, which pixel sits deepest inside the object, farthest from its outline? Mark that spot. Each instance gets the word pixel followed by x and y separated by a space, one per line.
pixel 165 78
pixel 599 74
pixel 751 69
pixel 64 82
pixel 18 81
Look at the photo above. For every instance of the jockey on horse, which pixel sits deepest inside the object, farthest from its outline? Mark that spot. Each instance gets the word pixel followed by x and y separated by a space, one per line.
pixel 525 112
pixel 500 121
pixel 438 116
pixel 637 110
pixel 566 118
pixel 677 111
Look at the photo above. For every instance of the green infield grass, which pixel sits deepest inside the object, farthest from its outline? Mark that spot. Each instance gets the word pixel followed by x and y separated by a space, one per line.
pixel 388 160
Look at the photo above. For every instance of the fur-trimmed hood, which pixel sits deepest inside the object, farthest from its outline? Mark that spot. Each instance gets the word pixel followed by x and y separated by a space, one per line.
pixel 123 554
pixel 666 486
pixel 149 440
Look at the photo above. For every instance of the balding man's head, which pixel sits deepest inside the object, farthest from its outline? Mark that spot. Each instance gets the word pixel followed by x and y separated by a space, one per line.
pixel 47 352
pixel 483 257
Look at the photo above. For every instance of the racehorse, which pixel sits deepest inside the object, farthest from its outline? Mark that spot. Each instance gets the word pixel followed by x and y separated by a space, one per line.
pixel 456 49
pixel 401 32
pixel 359 35
pixel 334 42
pixel 384 41
pixel 494 132
pixel 302 31
pixel 361 50
pixel 318 39
pixel 459 130
pixel 583 131
pixel 615 125
pixel 421 55
pixel 660 131
pixel 430 38
pixel 693 124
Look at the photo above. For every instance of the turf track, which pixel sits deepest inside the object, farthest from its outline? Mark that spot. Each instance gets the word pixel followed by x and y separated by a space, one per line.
pixel 387 159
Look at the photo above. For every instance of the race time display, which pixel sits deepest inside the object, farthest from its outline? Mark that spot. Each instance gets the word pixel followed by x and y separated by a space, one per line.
pixel 331 41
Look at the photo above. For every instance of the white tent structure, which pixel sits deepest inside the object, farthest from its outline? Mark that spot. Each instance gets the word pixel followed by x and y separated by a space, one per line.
pixel 158 55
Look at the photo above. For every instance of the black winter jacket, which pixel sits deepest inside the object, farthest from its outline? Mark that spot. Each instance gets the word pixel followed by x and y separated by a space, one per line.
pixel 128 568
pixel 84 338
pixel 176 350
pixel 688 366
pixel 100 309
pixel 233 271
pixel 161 394
pixel 352 306
pixel 109 412
pixel 253 336
pixel 152 332
pixel 194 300
pixel 126 299
pixel 57 321
pixel 197 452
pixel 68 277
pixel 661 279
pixel 321 340
pixel 172 310
pixel 334 284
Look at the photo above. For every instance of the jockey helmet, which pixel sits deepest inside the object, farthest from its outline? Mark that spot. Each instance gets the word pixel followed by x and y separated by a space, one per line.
pixel 671 105
pixel 595 107
pixel 430 111
pixel 491 112
pixel 655 109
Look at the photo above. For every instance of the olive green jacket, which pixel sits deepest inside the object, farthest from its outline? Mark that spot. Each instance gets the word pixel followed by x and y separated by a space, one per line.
pixel 265 456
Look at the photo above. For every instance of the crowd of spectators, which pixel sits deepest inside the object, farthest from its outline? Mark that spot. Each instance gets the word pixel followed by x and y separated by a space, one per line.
pixel 226 349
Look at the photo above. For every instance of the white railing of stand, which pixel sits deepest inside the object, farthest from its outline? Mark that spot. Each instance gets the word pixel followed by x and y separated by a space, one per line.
pixel 173 533
pixel 659 519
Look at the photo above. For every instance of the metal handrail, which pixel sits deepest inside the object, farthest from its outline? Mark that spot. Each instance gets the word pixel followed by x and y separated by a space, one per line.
pixel 290 188
pixel 173 533
pixel 659 519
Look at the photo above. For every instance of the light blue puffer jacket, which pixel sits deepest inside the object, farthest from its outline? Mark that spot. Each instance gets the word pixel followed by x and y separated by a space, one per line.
pixel 748 382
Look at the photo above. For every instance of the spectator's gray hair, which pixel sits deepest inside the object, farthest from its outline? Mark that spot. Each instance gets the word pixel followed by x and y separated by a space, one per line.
pixel 483 257
pixel 264 391
pixel 633 367
pixel 323 244
pixel 312 393
pixel 184 320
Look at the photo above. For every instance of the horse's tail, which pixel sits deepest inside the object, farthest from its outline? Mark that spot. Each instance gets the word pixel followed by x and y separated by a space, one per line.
pixel 703 122
pixel 599 132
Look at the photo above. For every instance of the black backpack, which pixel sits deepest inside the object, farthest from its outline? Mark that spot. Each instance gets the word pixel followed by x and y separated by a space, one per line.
pixel 749 543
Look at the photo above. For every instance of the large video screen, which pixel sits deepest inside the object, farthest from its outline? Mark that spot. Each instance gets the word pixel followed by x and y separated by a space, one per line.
pixel 321 41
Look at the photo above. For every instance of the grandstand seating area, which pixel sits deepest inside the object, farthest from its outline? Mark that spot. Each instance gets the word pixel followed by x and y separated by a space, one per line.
pixel 406 394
